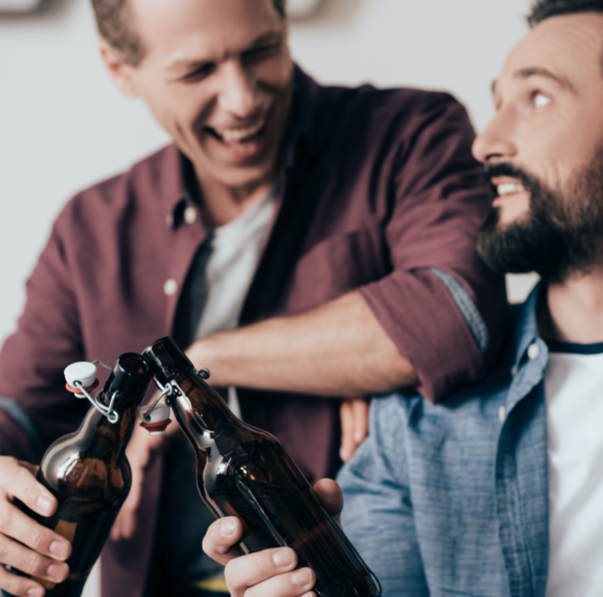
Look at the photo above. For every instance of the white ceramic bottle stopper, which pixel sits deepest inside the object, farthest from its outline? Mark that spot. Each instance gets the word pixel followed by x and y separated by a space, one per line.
pixel 82 372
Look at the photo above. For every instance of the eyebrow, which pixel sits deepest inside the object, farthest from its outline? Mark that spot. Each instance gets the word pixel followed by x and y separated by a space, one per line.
pixel 185 63
pixel 536 71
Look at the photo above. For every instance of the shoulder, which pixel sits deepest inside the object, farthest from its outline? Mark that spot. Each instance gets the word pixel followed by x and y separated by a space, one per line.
pixel 144 187
pixel 398 106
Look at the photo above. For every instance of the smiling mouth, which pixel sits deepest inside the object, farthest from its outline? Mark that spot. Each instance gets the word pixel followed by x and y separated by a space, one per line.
pixel 240 137
pixel 509 188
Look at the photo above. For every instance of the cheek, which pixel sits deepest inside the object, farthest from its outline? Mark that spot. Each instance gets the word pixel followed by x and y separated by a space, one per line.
pixel 180 109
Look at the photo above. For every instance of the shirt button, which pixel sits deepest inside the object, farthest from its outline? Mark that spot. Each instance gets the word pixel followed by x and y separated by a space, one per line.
pixel 170 288
pixel 190 215
pixel 533 351
pixel 514 370
pixel 502 414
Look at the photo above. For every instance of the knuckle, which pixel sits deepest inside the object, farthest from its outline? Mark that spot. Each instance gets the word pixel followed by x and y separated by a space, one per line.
pixel 3 548
pixel 36 564
pixel 4 515
pixel 38 540
pixel 9 471
pixel 263 562
pixel 233 580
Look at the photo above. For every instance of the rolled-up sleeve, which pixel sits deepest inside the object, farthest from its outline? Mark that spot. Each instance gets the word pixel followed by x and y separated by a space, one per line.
pixel 439 204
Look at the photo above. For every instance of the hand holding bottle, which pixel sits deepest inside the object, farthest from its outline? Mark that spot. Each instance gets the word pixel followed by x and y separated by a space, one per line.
pixel 25 544
pixel 268 573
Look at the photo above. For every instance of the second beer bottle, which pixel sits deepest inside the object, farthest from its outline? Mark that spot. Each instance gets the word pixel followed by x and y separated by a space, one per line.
pixel 89 474
pixel 245 472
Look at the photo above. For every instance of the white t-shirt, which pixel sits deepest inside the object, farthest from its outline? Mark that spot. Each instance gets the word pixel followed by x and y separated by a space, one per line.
pixel 236 252
pixel 574 400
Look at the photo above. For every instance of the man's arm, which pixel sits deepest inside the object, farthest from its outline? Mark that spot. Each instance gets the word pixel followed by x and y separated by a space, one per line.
pixel 338 349
pixel 431 319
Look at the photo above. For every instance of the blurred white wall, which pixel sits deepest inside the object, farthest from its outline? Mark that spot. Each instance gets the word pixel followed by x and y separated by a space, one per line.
pixel 63 126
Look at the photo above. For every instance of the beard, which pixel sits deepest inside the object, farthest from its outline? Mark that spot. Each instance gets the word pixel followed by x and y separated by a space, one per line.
pixel 562 234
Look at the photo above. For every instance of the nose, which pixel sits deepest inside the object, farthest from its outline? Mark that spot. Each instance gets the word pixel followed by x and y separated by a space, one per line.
pixel 496 143
pixel 238 91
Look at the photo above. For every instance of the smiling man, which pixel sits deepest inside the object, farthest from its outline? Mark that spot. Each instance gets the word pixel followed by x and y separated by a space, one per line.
pixel 497 491
pixel 306 243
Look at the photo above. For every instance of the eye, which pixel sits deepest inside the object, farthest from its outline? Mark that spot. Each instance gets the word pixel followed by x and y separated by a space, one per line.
pixel 259 53
pixel 198 73
pixel 540 100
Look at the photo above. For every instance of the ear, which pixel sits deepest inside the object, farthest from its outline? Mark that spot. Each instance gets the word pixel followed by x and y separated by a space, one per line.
pixel 121 72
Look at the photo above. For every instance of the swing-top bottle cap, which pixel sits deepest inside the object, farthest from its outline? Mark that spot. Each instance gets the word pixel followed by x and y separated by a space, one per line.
pixel 82 372
pixel 159 419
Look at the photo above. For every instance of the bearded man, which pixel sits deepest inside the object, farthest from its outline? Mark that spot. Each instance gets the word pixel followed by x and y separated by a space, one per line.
pixel 498 490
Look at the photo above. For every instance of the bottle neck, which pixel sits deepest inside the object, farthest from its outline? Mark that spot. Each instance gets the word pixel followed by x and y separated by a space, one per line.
pixel 200 410
pixel 123 392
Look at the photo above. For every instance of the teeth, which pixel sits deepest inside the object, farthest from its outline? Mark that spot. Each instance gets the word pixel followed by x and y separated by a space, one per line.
pixel 508 188
pixel 234 135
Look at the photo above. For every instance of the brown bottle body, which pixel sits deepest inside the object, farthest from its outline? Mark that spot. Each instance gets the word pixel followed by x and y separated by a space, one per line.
pixel 245 472
pixel 89 474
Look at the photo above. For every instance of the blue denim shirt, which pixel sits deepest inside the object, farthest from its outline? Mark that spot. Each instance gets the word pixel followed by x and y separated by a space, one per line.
pixel 452 499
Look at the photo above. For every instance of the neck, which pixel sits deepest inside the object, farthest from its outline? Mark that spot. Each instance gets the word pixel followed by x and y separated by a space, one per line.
pixel 574 309
pixel 220 204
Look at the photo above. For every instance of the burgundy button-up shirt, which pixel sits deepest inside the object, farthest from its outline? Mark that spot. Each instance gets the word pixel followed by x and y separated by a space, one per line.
pixel 379 190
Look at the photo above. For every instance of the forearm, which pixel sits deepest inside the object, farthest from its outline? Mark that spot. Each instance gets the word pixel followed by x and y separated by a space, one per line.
pixel 337 349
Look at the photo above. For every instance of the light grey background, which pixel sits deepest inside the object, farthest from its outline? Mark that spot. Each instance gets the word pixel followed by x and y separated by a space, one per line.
pixel 63 126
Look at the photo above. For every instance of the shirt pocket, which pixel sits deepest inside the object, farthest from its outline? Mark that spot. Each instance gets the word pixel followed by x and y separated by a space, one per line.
pixel 333 267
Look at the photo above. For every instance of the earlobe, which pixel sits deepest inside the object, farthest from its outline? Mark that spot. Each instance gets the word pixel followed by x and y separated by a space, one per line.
pixel 120 72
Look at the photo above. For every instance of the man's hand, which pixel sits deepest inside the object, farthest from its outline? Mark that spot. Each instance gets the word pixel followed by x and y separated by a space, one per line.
pixel 24 544
pixel 354 416
pixel 268 573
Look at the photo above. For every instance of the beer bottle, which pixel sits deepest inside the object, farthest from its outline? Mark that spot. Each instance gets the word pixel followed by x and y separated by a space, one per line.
pixel 245 472
pixel 88 472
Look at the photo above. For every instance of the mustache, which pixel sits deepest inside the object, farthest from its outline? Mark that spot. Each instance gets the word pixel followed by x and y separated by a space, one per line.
pixel 529 182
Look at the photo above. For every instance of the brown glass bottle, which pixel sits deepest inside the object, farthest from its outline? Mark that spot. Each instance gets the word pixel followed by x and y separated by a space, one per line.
pixel 245 472
pixel 89 474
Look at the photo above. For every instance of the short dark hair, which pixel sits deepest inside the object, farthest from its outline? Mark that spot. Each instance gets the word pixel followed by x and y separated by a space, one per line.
pixel 544 9
pixel 114 23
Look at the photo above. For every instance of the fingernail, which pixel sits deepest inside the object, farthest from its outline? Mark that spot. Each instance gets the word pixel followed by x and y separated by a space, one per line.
pixel 301 578
pixel 283 558
pixel 59 548
pixel 228 528
pixel 56 571
pixel 44 504
pixel 35 592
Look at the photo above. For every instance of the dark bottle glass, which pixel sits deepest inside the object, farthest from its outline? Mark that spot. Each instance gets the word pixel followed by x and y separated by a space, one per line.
pixel 245 472
pixel 89 474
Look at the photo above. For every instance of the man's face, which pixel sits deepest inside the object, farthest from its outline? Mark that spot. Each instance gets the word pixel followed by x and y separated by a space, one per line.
pixel 217 75
pixel 543 151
